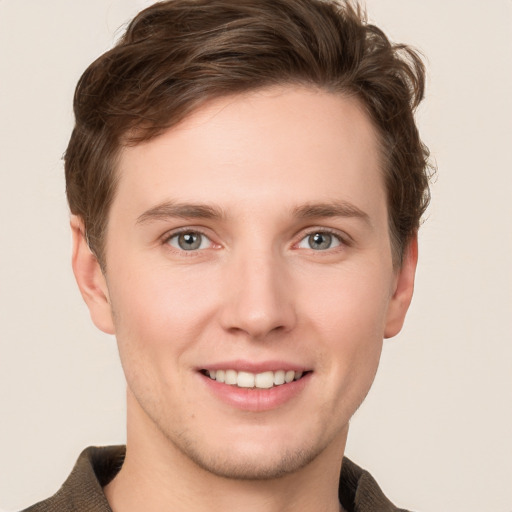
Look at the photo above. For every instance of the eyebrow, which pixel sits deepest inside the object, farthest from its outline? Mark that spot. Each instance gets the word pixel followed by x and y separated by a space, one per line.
pixel 330 209
pixel 171 209
pixel 308 211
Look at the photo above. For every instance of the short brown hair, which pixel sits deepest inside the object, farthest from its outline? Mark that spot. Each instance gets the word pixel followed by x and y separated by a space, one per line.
pixel 178 54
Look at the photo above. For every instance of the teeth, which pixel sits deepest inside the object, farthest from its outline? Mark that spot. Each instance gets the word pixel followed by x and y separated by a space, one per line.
pixel 245 380
pixel 279 377
pixel 231 377
pixel 289 376
pixel 264 380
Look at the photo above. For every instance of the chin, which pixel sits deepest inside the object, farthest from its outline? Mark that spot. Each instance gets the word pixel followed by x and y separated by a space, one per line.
pixel 264 458
pixel 253 467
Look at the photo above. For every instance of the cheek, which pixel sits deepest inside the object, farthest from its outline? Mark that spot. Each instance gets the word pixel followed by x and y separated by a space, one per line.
pixel 350 303
pixel 155 324
pixel 156 309
pixel 350 361
pixel 350 319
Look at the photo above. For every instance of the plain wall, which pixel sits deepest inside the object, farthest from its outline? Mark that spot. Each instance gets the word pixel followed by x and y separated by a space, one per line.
pixel 436 429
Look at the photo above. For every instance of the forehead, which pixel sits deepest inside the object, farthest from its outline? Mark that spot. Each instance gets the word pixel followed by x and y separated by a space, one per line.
pixel 294 144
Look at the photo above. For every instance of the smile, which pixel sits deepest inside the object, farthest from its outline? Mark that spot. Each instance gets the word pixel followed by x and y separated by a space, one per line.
pixel 264 380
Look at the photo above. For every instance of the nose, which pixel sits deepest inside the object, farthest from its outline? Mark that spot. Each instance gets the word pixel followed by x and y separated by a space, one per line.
pixel 259 301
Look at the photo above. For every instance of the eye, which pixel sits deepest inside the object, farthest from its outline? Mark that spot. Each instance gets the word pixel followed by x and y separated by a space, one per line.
pixel 189 241
pixel 320 241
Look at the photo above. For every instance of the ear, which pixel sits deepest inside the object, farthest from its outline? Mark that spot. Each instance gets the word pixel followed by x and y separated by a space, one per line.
pixel 403 290
pixel 90 279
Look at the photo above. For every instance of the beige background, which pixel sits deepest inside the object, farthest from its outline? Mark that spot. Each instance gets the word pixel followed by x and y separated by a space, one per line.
pixel 436 430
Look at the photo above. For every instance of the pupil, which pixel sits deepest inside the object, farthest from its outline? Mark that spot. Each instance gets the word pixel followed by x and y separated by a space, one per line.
pixel 320 241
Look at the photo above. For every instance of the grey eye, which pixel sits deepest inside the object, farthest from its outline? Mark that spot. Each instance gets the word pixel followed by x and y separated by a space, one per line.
pixel 319 241
pixel 189 241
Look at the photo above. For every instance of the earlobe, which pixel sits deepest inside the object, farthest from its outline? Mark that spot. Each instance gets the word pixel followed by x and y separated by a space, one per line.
pixel 403 290
pixel 90 279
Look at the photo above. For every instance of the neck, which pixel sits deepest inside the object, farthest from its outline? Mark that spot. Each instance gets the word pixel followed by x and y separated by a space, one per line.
pixel 156 476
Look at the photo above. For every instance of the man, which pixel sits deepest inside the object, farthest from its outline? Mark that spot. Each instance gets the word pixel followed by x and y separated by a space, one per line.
pixel 246 182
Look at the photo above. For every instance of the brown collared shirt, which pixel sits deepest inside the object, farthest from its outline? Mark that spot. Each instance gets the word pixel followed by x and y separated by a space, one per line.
pixel 97 466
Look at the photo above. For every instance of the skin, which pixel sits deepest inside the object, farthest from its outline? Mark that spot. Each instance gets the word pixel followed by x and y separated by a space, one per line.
pixel 277 166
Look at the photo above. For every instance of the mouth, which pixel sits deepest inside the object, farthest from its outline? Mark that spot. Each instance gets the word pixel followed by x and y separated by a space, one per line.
pixel 248 380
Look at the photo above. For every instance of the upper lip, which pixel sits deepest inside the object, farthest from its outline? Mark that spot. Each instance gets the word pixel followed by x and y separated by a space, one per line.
pixel 254 367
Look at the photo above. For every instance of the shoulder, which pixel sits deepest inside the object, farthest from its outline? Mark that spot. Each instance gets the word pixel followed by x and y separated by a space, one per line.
pixel 83 489
pixel 359 492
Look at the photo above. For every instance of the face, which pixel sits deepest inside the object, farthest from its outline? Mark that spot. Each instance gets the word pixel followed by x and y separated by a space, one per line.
pixel 249 280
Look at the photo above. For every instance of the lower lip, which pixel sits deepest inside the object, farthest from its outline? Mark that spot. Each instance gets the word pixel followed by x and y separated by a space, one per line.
pixel 255 399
